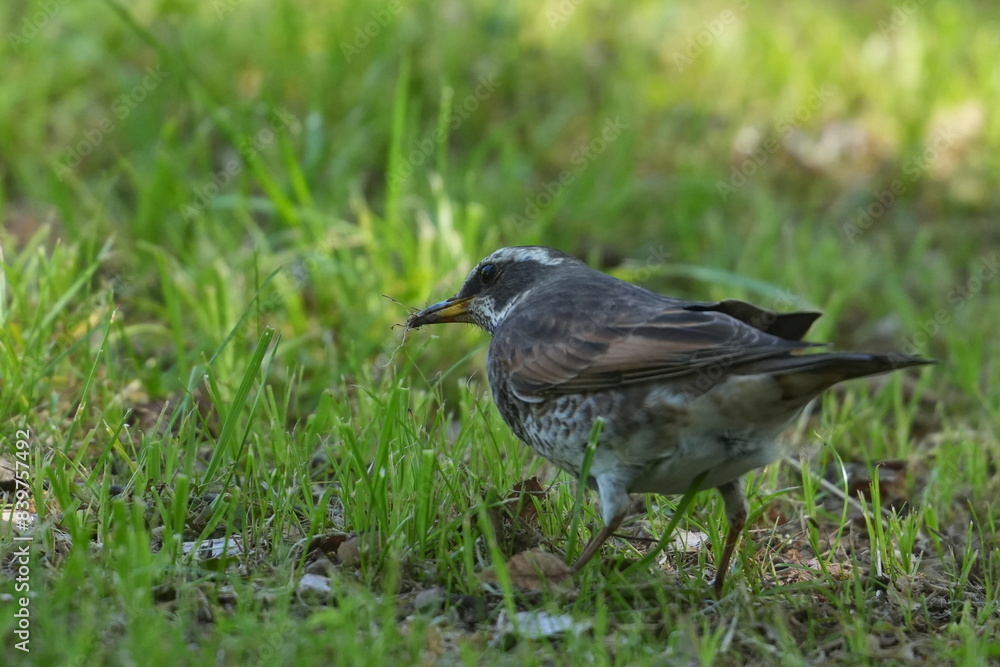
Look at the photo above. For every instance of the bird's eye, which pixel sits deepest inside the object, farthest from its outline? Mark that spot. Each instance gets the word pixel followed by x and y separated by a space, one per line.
pixel 488 273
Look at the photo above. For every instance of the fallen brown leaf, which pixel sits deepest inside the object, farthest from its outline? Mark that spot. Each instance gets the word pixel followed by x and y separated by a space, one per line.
pixel 533 570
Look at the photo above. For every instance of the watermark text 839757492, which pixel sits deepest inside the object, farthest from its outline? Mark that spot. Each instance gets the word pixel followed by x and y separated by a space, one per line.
pixel 22 520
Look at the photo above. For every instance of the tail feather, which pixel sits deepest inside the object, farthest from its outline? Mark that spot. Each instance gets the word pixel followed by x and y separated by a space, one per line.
pixel 807 376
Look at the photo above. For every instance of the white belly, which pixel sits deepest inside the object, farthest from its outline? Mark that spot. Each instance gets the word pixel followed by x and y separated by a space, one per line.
pixel 721 463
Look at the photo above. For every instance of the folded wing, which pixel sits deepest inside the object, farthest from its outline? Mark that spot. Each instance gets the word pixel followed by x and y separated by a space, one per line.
pixel 655 339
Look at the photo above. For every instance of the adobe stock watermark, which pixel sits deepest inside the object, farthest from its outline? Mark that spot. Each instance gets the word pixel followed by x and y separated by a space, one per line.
pixel 655 258
pixel 561 12
pixel 223 7
pixel 711 30
pixel 248 146
pixel 364 34
pixel 986 270
pixel 21 556
pixel 271 642
pixel 121 107
pixel 120 284
pixel 425 148
pixel 883 200
pixel 741 172
pixel 33 23
pixel 270 301
pixel 709 375
pixel 581 158
pixel 900 16
pixel 582 332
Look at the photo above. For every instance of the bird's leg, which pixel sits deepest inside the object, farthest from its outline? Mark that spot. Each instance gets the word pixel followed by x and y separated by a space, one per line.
pixel 615 502
pixel 735 500
pixel 595 543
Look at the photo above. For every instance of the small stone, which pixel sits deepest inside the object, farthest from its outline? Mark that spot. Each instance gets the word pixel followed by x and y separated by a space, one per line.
pixel 314 586
pixel 429 601
pixel 349 553
pixel 321 566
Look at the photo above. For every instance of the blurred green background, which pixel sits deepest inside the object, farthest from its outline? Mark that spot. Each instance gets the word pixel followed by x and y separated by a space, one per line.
pixel 823 149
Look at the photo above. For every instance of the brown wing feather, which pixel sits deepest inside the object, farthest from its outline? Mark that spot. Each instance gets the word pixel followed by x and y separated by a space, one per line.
pixel 792 326
pixel 654 339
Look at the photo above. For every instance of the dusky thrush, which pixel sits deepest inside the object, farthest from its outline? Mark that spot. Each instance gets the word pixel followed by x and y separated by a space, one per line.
pixel 684 388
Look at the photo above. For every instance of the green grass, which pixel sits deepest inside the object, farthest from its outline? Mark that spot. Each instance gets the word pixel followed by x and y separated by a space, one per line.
pixel 204 206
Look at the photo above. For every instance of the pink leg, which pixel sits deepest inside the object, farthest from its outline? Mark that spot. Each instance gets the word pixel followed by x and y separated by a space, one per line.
pixel 735 500
pixel 595 543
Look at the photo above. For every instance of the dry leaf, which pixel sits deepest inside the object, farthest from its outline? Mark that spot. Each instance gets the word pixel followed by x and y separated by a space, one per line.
pixel 327 543
pixel 533 570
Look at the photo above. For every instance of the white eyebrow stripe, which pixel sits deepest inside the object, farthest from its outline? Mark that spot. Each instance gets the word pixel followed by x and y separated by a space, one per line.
pixel 524 254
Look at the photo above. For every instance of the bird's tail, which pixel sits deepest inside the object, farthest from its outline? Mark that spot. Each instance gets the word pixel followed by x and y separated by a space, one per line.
pixel 806 376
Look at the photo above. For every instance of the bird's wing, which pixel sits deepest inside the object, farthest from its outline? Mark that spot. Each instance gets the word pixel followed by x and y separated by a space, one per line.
pixel 791 326
pixel 559 352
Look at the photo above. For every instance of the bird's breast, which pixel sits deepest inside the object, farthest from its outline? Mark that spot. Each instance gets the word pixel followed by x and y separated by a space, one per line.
pixel 658 437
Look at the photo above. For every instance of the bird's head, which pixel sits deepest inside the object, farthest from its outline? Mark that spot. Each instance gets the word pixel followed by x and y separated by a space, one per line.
pixel 497 282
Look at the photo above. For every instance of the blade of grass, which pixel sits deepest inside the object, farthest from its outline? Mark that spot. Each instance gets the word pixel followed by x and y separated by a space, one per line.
pixel 227 437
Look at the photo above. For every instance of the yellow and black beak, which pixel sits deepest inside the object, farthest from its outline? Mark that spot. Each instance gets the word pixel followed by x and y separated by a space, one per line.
pixel 454 309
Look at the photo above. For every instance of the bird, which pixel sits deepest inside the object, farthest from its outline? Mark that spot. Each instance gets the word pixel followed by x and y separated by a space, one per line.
pixel 686 391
